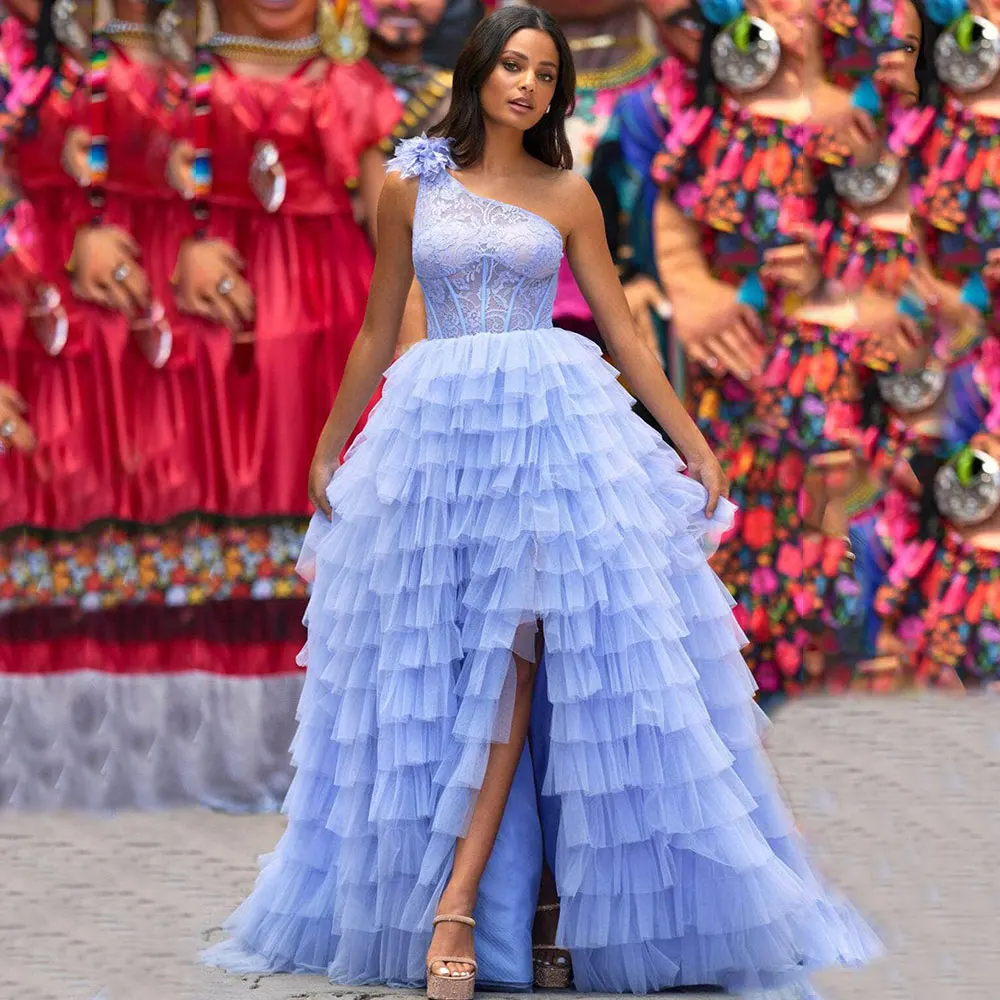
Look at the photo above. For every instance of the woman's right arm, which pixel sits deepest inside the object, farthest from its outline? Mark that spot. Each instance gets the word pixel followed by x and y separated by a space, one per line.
pixel 375 346
pixel 710 324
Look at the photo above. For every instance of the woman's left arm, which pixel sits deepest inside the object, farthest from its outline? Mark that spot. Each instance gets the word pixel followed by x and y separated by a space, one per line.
pixel 594 270
pixel 371 176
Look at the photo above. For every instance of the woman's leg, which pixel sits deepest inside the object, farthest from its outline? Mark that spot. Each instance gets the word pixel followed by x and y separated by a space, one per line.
pixel 473 851
pixel 552 965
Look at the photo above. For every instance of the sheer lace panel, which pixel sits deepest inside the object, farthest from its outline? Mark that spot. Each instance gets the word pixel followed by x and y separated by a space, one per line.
pixel 483 265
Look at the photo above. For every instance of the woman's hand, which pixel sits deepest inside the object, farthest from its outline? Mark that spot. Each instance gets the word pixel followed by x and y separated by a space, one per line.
pixel 180 169
pixel 105 270
pixel 76 155
pixel 718 332
pixel 854 135
pixel 944 300
pixel 320 473
pixel 705 468
pixel 644 298
pixel 15 431
pixel 795 267
pixel 208 283
pixel 894 336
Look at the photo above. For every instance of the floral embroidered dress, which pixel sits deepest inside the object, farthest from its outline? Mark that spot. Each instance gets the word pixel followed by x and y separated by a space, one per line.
pixel 745 179
pixel 933 586
pixel 939 590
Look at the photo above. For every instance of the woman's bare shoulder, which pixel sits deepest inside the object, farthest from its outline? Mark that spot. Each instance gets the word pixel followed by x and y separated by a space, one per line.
pixel 570 196
pixel 399 194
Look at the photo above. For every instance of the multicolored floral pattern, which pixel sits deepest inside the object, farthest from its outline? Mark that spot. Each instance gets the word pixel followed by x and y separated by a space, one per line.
pixel 859 255
pixel 853 32
pixel 955 165
pixel 795 595
pixel 960 642
pixel 745 180
pixel 185 564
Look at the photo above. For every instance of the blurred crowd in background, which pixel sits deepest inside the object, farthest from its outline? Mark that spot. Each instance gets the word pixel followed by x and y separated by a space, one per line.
pixel 803 201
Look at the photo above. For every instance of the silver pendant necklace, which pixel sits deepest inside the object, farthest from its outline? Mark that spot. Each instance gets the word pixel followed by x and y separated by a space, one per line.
pixel 967 489
pixel 863 187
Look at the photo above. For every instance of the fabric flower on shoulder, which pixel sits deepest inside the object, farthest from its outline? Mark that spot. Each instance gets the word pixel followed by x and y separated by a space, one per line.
pixel 422 156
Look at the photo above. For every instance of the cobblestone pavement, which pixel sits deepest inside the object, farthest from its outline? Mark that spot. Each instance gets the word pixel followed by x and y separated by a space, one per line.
pixel 900 797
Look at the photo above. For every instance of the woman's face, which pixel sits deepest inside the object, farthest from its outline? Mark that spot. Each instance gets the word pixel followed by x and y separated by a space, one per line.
pixel 680 25
pixel 897 70
pixel 789 20
pixel 402 24
pixel 523 82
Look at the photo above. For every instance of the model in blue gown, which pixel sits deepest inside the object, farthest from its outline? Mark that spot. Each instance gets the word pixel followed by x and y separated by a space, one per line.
pixel 504 481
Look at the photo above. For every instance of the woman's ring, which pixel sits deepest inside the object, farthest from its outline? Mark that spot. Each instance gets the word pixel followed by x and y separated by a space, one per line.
pixel 7 428
pixel 121 272
pixel 225 286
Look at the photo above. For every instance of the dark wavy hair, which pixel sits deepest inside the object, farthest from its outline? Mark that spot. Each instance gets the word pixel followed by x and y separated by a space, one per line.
pixel 707 91
pixel 464 123
pixel 47 51
pixel 928 84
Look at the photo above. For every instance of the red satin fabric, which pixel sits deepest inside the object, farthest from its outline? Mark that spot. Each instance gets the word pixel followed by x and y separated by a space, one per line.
pixel 160 656
pixel 73 476
pixel 309 265
pixel 222 429
pixel 160 417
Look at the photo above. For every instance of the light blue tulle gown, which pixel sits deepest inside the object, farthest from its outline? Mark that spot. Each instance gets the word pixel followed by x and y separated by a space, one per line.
pixel 501 481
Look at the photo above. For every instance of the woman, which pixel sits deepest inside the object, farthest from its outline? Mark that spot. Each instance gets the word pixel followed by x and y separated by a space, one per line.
pixel 287 120
pixel 73 476
pixel 735 228
pixel 504 510
pixel 926 569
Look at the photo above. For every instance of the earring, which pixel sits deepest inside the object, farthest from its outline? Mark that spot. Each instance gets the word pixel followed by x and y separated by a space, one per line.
pixel 342 30
pixel 548 109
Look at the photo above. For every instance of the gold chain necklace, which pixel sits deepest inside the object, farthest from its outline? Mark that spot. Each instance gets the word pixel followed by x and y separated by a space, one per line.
pixel 250 48
pixel 130 34
pixel 630 69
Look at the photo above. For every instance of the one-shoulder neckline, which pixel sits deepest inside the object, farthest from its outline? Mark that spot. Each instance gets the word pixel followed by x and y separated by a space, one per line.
pixel 508 204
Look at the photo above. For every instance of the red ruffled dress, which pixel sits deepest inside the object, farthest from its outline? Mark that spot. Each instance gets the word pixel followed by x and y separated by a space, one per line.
pixel 309 265
pixel 160 413
pixel 73 477
pixel 187 652
pixel 195 520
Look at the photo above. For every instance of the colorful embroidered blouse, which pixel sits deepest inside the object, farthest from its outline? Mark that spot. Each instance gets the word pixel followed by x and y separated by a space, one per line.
pixel 955 168
pixel 744 177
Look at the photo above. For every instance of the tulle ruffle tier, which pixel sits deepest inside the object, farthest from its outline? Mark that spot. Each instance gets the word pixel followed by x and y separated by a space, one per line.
pixel 501 481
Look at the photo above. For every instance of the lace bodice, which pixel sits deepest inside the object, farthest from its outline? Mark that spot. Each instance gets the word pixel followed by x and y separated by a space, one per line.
pixel 484 266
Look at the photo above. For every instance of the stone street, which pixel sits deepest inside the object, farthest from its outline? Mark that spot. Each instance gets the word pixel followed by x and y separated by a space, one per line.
pixel 900 798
